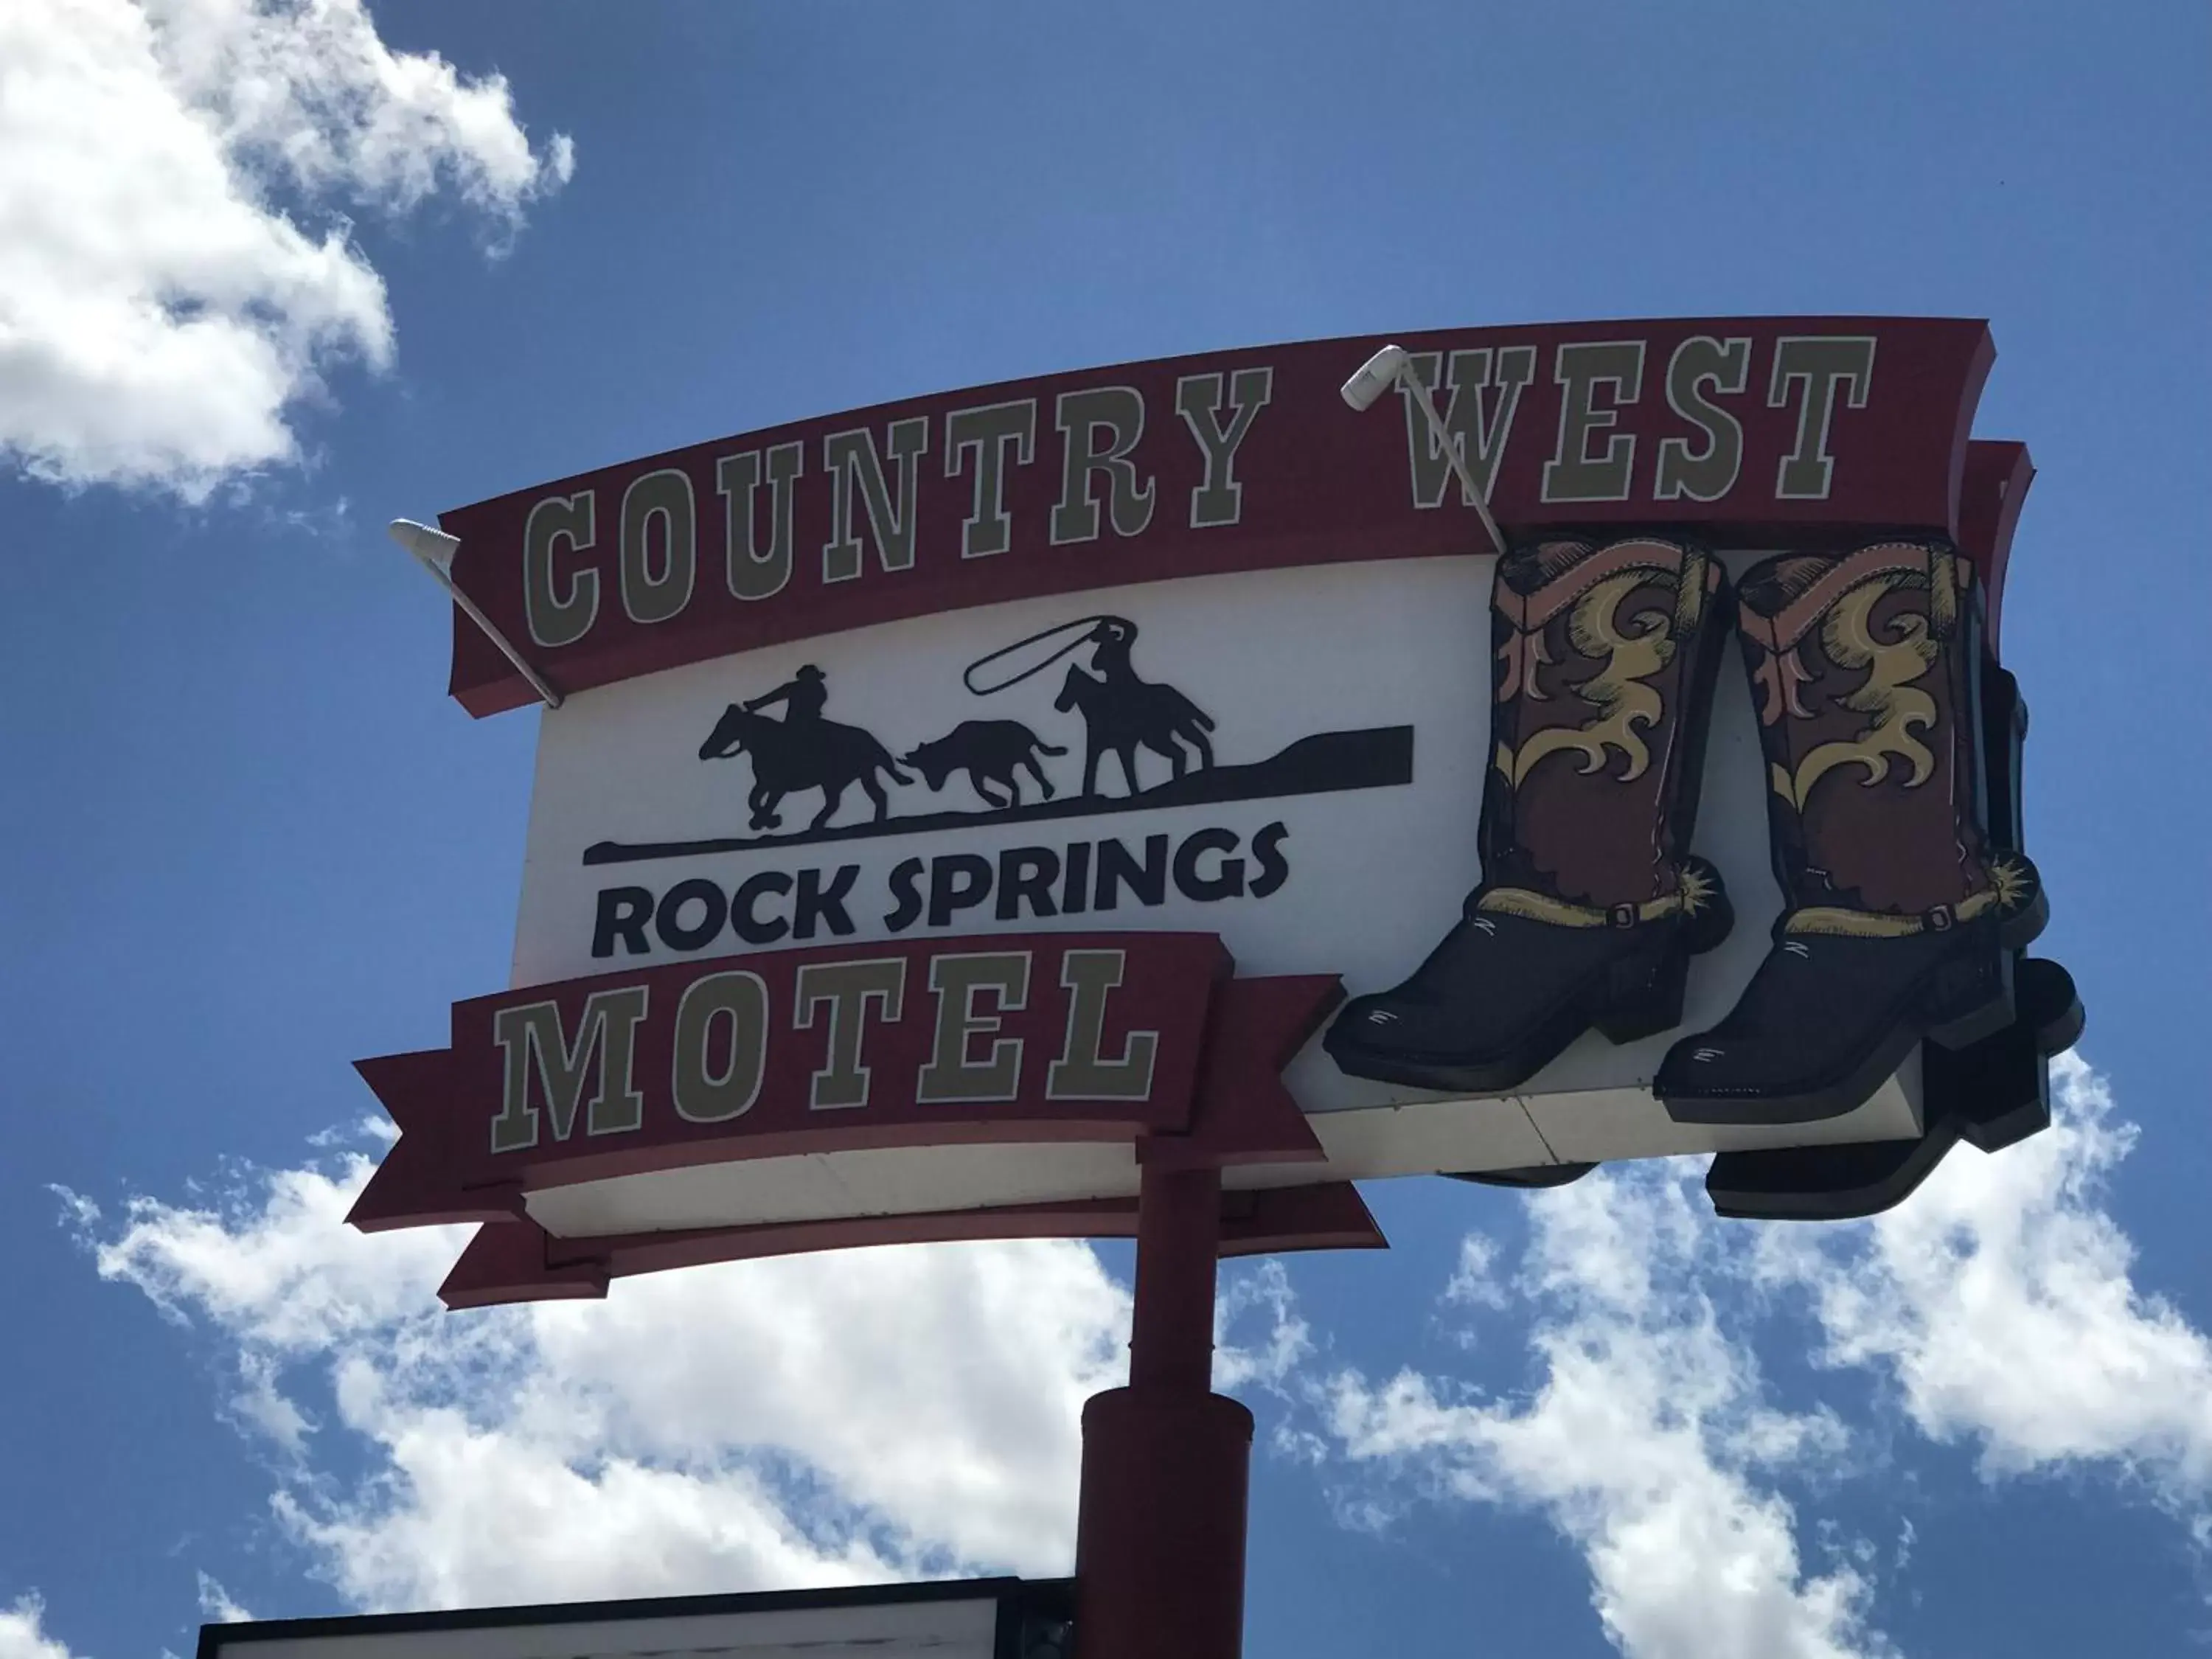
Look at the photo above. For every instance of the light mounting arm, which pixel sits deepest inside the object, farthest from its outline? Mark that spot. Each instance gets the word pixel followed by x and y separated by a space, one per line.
pixel 434 551
pixel 1391 366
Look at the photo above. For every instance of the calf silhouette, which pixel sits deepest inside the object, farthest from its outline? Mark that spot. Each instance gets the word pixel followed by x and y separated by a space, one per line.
pixel 808 754
pixel 989 751
pixel 1122 716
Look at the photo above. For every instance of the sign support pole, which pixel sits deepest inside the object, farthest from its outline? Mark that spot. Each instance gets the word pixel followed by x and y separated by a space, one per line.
pixel 1159 1549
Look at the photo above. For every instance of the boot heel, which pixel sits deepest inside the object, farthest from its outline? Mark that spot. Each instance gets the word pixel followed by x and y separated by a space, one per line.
pixel 1649 1002
pixel 1969 1001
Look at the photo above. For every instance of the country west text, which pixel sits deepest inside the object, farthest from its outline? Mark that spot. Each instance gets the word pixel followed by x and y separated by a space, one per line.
pixel 1634 422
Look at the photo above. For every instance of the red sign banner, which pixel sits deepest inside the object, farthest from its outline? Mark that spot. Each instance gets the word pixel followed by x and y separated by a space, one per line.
pixel 519 1260
pixel 1799 432
pixel 1143 1037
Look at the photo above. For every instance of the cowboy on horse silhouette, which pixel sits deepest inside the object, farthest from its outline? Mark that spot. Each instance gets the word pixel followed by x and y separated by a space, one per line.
pixel 803 696
pixel 802 750
pixel 1122 713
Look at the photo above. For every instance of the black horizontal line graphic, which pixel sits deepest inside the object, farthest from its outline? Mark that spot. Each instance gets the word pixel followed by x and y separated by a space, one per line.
pixel 1328 763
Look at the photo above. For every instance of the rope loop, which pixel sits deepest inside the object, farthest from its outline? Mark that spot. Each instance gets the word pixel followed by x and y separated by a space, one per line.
pixel 1079 628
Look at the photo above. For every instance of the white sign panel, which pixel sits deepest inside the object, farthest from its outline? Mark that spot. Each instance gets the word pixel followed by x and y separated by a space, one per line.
pixel 1308 762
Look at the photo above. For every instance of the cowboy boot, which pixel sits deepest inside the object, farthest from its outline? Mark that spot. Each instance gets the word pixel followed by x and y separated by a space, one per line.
pixel 1590 904
pixel 1989 1095
pixel 1901 918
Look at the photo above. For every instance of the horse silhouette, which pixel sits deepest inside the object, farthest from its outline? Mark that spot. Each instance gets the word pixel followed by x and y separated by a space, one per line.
pixel 793 754
pixel 1121 716
pixel 989 751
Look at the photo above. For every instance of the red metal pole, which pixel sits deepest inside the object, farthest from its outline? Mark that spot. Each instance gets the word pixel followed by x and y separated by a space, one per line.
pixel 1159 1547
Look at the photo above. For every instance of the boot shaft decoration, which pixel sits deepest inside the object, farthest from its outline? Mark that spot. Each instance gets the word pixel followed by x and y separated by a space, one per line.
pixel 1865 670
pixel 1600 652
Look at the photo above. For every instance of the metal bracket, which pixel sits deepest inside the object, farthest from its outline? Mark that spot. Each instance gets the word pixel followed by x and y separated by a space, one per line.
pixel 1393 365
pixel 434 551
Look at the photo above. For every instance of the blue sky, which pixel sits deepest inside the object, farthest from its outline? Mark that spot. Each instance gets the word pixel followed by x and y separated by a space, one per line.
pixel 245 839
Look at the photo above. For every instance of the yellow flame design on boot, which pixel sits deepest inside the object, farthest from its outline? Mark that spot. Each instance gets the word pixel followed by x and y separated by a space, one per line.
pixel 1897 706
pixel 1632 653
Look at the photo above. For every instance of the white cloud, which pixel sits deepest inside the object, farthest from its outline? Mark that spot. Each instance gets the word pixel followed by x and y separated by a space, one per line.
pixel 1260 1292
pixel 1648 1440
pixel 861 1415
pixel 1998 1304
pixel 161 315
pixel 2002 1303
pixel 22 1636
pixel 1475 1282
pixel 218 1605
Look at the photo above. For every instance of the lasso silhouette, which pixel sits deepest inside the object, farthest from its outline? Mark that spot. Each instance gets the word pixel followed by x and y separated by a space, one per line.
pixel 1079 628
